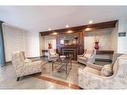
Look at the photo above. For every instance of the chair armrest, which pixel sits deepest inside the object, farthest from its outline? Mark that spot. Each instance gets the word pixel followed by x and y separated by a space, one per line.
pixel 97 67
pixel 57 54
pixel 27 60
pixel 35 63
pixel 79 55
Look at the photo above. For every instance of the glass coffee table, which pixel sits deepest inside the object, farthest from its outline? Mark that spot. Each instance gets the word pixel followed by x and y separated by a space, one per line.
pixel 63 64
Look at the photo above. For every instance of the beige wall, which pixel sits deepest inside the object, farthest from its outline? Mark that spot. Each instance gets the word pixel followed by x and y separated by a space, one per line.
pixel 14 40
pixel 32 44
pixel 106 37
pixel 114 38
pixel 50 39
pixel 44 40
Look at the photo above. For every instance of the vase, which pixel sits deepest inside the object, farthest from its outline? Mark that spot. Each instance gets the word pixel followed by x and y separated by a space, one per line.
pixel 49 46
pixel 96 45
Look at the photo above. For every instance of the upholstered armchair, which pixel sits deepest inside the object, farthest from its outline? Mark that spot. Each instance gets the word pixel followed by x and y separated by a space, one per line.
pixel 23 68
pixel 91 78
pixel 87 57
pixel 99 67
pixel 24 57
pixel 52 55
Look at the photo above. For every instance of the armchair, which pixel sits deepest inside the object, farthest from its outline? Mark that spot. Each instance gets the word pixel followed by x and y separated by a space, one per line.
pixel 52 55
pixel 91 78
pixel 24 57
pixel 87 57
pixel 23 68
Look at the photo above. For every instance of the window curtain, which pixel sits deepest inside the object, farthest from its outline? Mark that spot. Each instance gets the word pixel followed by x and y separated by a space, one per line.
pixel 2 53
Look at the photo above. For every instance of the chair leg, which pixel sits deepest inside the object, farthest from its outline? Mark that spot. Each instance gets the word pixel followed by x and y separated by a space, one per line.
pixel 18 78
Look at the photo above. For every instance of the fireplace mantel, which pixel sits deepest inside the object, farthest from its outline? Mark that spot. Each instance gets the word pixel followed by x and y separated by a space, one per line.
pixel 69 51
pixel 74 49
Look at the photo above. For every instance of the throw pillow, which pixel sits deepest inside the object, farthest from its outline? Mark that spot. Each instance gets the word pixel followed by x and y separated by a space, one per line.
pixel 107 70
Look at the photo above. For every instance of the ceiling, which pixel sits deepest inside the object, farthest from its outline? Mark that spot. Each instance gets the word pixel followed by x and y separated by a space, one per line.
pixel 41 18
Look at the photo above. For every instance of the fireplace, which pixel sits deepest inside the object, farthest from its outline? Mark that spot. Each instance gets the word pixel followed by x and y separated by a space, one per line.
pixel 69 52
pixel 70 44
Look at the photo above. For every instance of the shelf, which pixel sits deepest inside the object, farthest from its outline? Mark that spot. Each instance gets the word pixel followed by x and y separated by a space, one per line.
pixel 103 52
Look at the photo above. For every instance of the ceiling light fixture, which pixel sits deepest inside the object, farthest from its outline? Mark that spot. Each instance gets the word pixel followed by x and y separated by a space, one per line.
pixel 88 29
pixel 54 33
pixel 67 26
pixel 90 22
pixel 69 31
pixel 49 29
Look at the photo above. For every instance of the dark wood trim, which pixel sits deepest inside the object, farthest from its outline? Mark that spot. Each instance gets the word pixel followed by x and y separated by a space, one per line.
pixel 79 32
pixel 102 25
pixel 103 60
pixel 59 82
pixel 104 52
pixel 78 48
pixel 44 50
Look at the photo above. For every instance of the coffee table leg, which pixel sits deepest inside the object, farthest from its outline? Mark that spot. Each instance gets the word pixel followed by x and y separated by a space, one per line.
pixel 71 64
pixel 52 66
pixel 66 68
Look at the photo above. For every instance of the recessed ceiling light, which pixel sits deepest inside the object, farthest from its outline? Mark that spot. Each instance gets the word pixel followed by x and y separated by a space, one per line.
pixel 67 26
pixel 49 29
pixel 54 33
pixel 88 29
pixel 69 31
pixel 90 22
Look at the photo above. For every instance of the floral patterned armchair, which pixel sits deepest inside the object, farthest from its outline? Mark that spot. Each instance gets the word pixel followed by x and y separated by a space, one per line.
pixel 24 68
pixel 52 55
pixel 91 78
pixel 24 57
pixel 88 57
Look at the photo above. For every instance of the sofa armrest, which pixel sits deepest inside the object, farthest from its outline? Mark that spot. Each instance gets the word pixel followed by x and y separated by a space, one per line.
pixel 79 55
pixel 28 60
pixel 97 67
pixel 33 64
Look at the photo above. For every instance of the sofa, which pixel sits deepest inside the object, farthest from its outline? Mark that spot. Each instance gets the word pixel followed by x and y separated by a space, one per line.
pixel 92 77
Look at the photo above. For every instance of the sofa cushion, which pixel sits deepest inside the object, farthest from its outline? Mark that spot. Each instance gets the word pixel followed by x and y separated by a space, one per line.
pixel 106 70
